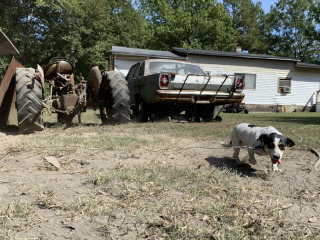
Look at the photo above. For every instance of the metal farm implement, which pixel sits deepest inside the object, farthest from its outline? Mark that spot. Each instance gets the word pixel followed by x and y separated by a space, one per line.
pixel 22 93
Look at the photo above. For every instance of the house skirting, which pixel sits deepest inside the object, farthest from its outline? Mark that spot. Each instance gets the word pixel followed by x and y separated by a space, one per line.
pixel 279 108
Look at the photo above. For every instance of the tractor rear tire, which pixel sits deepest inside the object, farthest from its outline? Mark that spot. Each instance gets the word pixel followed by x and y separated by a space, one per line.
pixel 117 99
pixel 29 101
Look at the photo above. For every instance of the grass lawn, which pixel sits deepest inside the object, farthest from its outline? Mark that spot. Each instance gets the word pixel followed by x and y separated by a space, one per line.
pixel 284 122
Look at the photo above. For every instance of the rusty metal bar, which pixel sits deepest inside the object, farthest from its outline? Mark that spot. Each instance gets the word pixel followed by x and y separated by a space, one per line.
pixel 195 103
pixel 228 98
pixel 213 99
pixel 174 105
pixel 8 95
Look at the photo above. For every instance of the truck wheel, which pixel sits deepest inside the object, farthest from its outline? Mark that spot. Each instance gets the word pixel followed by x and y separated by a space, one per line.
pixel 208 117
pixel 143 115
pixel 117 98
pixel 217 119
pixel 29 101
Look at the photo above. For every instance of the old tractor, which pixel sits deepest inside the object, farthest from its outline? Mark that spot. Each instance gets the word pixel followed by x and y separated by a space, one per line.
pixel 23 92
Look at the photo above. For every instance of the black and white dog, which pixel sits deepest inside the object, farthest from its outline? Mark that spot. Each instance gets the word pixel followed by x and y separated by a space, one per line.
pixel 261 141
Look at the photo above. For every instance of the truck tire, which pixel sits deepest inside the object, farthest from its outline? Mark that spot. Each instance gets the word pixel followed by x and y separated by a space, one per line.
pixel 209 113
pixel 29 101
pixel 142 110
pixel 117 98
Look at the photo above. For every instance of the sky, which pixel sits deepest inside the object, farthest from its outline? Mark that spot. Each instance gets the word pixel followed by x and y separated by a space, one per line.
pixel 266 4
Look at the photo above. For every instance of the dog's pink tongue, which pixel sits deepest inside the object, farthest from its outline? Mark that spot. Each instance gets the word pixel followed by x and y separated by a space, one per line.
pixel 276 161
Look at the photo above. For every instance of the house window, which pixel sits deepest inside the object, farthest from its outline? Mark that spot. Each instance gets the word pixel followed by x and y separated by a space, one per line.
pixel 284 85
pixel 250 81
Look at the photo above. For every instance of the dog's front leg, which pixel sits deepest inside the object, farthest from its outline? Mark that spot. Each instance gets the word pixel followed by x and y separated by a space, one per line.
pixel 252 159
pixel 236 155
pixel 275 168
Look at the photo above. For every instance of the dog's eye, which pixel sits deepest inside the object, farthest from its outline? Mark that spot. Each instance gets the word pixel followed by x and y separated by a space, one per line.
pixel 282 148
pixel 271 146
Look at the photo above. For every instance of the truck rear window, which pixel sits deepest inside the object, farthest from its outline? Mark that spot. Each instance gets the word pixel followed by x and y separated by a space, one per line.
pixel 176 67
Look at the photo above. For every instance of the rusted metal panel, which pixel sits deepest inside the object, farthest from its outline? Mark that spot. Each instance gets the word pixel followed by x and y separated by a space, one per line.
pixel 62 66
pixel 6 46
pixel 8 95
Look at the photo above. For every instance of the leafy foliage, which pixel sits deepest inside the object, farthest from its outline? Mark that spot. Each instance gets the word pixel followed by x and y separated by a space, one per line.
pixel 248 20
pixel 85 30
pixel 294 29
pixel 81 30
pixel 199 24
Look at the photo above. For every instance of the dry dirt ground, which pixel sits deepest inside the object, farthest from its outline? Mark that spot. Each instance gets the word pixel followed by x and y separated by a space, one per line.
pixel 134 182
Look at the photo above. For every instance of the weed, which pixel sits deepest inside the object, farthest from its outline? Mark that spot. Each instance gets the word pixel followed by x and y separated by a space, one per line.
pixel 98 178
pixel 92 206
pixel 45 197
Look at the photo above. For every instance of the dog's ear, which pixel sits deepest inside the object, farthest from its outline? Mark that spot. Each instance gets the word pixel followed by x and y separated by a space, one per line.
pixel 290 142
pixel 263 138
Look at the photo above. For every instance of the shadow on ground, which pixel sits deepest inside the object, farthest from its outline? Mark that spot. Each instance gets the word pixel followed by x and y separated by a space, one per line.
pixel 226 162
pixel 55 124
pixel 10 130
pixel 302 120
pixel 14 130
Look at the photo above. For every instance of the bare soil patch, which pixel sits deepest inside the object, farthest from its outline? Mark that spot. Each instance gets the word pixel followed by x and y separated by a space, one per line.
pixel 135 181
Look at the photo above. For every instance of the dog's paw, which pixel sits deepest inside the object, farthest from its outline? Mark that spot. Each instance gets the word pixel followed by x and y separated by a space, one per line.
pixel 253 161
pixel 275 168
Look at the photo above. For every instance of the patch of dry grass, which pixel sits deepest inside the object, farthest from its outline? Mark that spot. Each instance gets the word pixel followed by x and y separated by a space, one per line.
pixel 16 209
pixel 92 206
pixel 46 197
pixel 183 203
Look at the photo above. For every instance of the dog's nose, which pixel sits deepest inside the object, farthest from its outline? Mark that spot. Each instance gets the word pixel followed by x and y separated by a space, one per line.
pixel 276 157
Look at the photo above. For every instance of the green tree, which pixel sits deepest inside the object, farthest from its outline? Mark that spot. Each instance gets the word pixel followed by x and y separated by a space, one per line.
pixel 294 29
pixel 81 30
pixel 201 24
pixel 248 20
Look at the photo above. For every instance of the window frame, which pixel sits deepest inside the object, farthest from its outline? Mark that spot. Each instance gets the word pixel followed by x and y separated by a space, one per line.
pixel 279 86
pixel 137 70
pixel 255 81
pixel 142 67
pixel 132 69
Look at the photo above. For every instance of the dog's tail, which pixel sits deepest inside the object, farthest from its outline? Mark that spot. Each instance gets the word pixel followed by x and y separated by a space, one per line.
pixel 226 145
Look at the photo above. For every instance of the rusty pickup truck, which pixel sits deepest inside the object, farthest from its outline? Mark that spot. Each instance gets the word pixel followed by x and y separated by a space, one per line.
pixel 171 87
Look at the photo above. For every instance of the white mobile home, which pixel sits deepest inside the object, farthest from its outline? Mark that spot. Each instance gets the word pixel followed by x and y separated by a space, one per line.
pixel 271 81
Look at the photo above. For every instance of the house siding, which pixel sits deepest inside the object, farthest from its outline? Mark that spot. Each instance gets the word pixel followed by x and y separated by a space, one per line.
pixel 305 81
pixel 124 63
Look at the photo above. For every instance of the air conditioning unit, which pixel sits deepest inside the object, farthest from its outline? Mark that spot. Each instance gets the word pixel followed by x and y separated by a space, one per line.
pixel 286 89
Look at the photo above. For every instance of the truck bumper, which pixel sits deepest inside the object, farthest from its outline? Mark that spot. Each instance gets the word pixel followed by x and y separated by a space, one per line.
pixel 190 96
